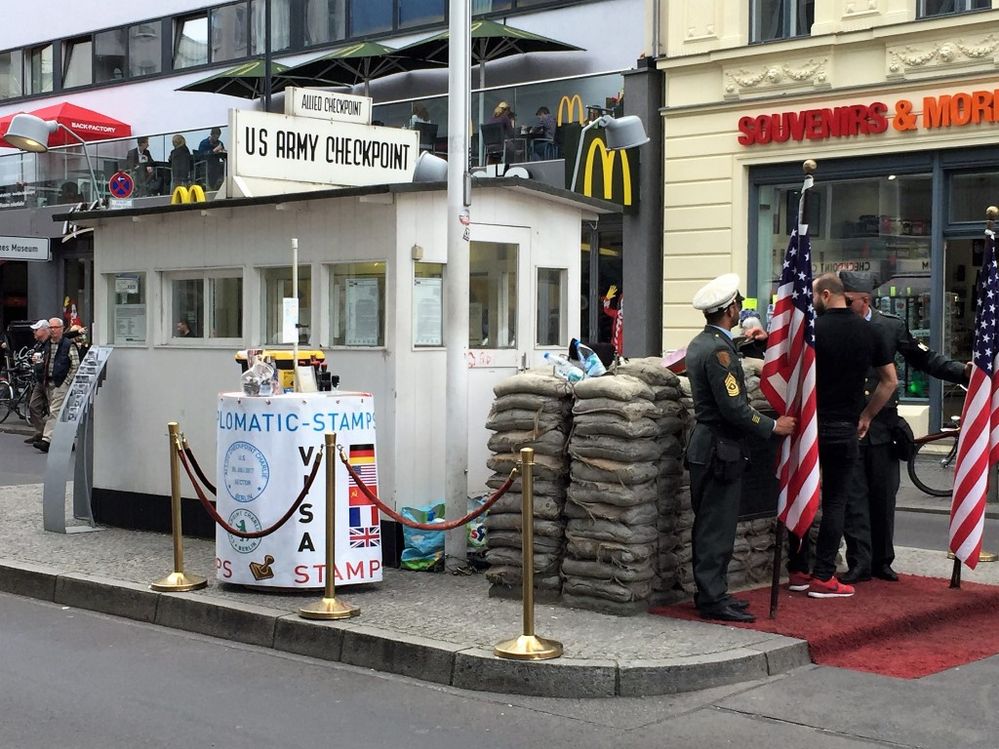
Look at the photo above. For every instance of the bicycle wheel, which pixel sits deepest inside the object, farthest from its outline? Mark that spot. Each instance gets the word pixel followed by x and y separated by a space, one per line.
pixel 932 467
pixel 6 400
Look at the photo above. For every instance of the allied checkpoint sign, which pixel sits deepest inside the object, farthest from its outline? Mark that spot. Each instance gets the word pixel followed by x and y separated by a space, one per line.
pixel 266 449
pixel 327 105
pixel 274 154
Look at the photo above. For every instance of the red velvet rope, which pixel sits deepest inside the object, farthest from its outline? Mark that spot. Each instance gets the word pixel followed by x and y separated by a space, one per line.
pixel 446 525
pixel 197 469
pixel 210 508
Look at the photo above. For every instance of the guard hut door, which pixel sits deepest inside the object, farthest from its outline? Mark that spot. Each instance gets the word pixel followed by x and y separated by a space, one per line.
pixel 516 312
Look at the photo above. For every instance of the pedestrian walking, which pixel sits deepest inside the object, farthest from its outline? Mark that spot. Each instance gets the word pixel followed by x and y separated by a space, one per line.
pixel 38 403
pixel 61 360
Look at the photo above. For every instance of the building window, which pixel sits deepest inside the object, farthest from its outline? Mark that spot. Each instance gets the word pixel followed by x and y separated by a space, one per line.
pixel 144 53
pixel 190 44
pixel 78 63
pixel 228 32
pixel 492 302
pixel 128 308
pixel 928 8
pixel 370 16
pixel 357 306
pixel 277 288
pixel 39 79
pixel 964 196
pixel 325 21
pixel 490 6
pixel 280 25
pixel 109 55
pixel 428 304
pixel 420 12
pixel 781 19
pixel 11 74
pixel 552 309
pixel 218 292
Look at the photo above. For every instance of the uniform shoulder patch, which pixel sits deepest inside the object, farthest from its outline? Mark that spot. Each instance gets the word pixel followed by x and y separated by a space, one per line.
pixel 731 385
pixel 756 418
pixel 724 358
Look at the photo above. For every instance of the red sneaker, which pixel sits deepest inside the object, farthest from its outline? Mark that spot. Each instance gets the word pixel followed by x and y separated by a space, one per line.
pixel 798 581
pixel 831 588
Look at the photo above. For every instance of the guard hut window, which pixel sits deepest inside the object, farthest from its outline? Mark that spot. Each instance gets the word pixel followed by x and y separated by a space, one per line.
pixel 780 19
pixel 929 8
pixel 428 304
pixel 217 293
pixel 78 63
pixel 552 309
pixel 127 293
pixel 492 305
pixel 357 304
pixel 277 286
pixel 190 43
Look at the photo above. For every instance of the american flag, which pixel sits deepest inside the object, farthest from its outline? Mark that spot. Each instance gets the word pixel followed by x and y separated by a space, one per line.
pixel 978 445
pixel 788 383
pixel 362 538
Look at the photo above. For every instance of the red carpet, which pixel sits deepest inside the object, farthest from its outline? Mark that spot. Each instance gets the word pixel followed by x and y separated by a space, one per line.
pixel 912 628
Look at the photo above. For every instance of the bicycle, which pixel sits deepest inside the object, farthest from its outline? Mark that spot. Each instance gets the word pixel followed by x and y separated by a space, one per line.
pixel 17 380
pixel 931 468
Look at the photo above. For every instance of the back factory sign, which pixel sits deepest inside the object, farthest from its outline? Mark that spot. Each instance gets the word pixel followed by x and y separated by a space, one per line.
pixel 273 154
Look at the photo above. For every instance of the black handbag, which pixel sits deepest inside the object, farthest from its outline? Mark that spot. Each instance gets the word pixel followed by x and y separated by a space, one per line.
pixel 903 443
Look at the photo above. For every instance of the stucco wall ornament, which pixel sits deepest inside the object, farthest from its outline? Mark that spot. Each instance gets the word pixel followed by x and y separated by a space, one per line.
pixel 943 53
pixel 774 76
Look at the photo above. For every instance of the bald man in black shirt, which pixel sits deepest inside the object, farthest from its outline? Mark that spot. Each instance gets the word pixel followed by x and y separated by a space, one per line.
pixel 844 352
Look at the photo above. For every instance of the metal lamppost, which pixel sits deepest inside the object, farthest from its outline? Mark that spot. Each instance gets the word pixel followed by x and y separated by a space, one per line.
pixel 31 133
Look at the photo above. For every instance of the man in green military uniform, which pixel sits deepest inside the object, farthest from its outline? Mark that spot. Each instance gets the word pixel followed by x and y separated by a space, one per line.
pixel 870 511
pixel 715 452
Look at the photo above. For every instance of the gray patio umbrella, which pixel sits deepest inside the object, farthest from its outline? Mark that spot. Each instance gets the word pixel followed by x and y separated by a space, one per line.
pixel 352 65
pixel 245 81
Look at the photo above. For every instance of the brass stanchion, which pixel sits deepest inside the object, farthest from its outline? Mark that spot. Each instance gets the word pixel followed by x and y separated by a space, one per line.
pixel 177 581
pixel 983 556
pixel 329 607
pixel 528 647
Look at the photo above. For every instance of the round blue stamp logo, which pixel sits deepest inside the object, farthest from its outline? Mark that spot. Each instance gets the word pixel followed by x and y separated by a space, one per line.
pixel 247 522
pixel 245 472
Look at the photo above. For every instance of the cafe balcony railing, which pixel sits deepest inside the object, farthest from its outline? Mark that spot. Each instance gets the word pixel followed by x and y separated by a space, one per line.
pixel 60 176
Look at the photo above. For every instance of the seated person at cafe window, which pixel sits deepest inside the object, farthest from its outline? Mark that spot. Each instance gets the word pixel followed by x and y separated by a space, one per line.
pixel 70 193
pixel 504 116
pixel 181 165
pixel 209 151
pixel 139 163
pixel 420 115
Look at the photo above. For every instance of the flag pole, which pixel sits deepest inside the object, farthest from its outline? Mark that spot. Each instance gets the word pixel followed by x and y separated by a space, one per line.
pixel 991 213
pixel 808 167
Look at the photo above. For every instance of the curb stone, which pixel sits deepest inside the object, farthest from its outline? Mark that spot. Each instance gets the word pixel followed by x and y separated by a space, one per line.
pixel 354 643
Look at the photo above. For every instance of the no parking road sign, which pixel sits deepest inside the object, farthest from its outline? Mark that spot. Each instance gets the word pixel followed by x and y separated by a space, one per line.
pixel 121 185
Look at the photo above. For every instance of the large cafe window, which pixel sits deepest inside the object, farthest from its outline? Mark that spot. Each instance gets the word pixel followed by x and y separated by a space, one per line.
pixel 877 224
pixel 780 19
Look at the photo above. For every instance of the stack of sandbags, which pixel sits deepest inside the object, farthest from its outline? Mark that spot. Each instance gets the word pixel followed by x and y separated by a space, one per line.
pixel 531 409
pixel 618 452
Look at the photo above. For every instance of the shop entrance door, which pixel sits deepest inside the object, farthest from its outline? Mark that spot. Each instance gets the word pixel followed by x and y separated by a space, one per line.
pixel 963 261
pixel 498 329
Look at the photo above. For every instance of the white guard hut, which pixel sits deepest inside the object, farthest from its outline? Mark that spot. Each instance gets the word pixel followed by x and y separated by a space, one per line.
pixel 372 271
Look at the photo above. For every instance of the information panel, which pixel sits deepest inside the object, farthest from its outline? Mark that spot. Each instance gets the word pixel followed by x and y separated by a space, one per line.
pixel 266 449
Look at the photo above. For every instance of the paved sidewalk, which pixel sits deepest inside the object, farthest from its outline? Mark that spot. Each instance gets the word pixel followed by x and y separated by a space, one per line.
pixel 439 628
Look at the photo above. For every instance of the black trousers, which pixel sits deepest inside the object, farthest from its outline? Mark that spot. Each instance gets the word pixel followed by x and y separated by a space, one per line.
pixel 716 514
pixel 870 510
pixel 838 459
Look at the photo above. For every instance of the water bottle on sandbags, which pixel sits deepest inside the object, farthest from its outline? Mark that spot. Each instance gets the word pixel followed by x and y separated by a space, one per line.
pixel 564 368
pixel 589 360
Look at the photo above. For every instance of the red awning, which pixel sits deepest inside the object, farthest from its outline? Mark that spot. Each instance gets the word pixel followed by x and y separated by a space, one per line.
pixel 86 123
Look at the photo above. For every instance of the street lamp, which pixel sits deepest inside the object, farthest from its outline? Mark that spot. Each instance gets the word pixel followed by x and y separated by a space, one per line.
pixel 31 133
pixel 622 132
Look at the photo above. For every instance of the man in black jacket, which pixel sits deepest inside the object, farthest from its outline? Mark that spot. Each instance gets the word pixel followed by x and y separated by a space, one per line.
pixel 61 360
pixel 870 514
pixel 715 450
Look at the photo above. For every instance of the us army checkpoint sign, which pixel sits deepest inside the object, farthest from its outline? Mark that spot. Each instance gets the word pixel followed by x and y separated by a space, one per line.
pixel 266 449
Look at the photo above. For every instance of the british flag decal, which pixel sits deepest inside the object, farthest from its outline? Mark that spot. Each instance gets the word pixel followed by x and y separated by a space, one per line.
pixel 362 538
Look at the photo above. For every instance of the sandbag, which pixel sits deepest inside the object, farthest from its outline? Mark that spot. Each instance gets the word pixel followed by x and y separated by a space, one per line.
pixel 514 540
pixel 667 394
pixel 539 381
pixel 616 387
pixel 512 503
pixel 671 408
pixel 612 591
pixel 648 369
pixel 615 448
pixel 599 470
pixel 511 557
pixel 613 493
pixel 511 576
pixel 610 551
pixel 668 466
pixel 548 443
pixel 608 530
pixel 520 420
pixel 639 515
pixel 612 424
pixel 512 522
pixel 532 402
pixel 546 467
pixel 554 489
pixel 672 425
pixel 612 572
pixel 636 409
